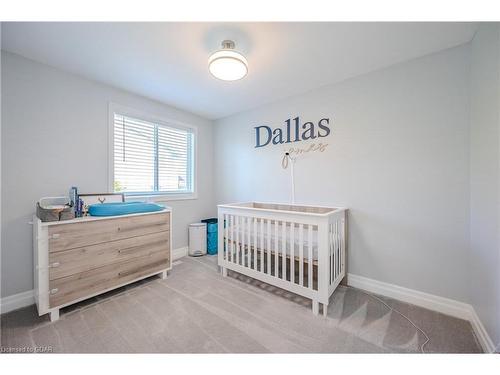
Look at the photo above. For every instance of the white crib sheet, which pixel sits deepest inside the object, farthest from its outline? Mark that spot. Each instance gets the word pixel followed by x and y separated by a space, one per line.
pixel 280 239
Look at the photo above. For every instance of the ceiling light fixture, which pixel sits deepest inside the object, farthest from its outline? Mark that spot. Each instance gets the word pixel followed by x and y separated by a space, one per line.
pixel 227 64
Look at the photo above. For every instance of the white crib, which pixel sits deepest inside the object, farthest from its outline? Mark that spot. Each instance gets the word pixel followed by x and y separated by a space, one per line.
pixel 297 248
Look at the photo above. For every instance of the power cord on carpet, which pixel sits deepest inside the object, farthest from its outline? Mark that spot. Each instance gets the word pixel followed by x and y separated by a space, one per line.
pixel 396 311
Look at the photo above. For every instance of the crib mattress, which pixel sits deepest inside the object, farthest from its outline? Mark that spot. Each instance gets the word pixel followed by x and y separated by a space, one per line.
pixel 296 241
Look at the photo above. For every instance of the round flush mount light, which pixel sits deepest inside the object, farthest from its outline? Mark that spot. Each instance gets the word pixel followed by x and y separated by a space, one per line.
pixel 227 64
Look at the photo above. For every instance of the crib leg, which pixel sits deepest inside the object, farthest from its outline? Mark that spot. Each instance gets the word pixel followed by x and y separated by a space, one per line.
pixel 325 310
pixel 224 271
pixel 315 307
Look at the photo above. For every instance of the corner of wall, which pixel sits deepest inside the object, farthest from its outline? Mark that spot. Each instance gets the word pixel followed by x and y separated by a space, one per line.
pixel 484 124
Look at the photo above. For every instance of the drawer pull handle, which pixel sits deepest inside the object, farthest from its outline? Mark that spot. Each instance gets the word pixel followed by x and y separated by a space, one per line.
pixel 55 236
pixel 54 291
pixel 55 264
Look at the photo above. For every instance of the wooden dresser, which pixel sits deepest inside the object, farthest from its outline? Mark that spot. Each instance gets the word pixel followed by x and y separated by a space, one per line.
pixel 80 258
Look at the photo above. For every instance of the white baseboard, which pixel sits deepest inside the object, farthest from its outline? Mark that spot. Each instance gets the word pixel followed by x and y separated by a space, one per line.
pixel 27 298
pixel 481 333
pixel 179 253
pixel 17 301
pixel 432 302
pixel 429 301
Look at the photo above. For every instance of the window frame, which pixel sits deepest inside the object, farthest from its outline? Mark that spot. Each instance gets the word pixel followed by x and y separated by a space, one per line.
pixel 150 196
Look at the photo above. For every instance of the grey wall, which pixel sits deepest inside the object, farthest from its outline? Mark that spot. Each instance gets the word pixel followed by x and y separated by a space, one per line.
pixel 485 175
pixel 54 136
pixel 398 158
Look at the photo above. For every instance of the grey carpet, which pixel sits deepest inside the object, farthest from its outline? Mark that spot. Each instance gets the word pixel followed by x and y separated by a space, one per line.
pixel 197 311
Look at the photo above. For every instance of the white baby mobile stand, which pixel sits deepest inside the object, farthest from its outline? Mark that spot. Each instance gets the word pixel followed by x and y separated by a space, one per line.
pixel 285 162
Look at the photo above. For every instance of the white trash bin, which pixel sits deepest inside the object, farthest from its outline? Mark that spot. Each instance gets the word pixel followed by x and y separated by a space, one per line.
pixel 197 239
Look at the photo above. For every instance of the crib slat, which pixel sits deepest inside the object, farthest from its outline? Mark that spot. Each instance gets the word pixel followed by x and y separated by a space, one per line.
pixel 301 254
pixel 292 253
pixel 310 256
pixel 334 253
pixel 246 251
pixel 342 244
pixel 243 235
pixel 268 268
pixel 250 238
pixel 276 249
pixel 254 248
pixel 283 250
pixel 231 232
pixel 233 238
pixel 261 268
pixel 250 241
pixel 331 251
pixel 249 245
pixel 334 239
pixel 225 228
pixel 235 226
pixel 239 235
pixel 248 232
pixel 228 237
pixel 338 249
pixel 238 222
pixel 334 249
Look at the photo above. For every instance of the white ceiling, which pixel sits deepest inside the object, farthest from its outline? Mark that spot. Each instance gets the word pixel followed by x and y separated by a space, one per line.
pixel 168 61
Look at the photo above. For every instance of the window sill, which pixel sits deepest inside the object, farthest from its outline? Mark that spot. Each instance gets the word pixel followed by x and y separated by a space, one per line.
pixel 161 197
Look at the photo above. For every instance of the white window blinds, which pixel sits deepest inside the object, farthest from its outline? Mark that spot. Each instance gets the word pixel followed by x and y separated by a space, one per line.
pixel 152 158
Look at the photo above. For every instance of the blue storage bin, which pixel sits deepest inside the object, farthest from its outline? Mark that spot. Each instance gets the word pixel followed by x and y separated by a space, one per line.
pixel 212 233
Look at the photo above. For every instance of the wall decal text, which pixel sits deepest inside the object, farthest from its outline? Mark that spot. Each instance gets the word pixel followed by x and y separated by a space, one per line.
pixel 313 147
pixel 293 131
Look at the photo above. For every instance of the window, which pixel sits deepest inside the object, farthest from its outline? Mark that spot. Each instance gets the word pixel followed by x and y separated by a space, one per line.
pixel 152 158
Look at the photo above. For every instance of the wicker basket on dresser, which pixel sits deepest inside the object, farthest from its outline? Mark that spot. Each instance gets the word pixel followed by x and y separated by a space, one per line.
pixel 81 258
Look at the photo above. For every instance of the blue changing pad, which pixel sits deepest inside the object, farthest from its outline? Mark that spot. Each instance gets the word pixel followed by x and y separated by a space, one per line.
pixel 125 208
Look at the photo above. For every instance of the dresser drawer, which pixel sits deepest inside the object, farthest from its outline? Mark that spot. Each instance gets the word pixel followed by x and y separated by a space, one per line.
pixel 68 262
pixel 84 284
pixel 74 235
